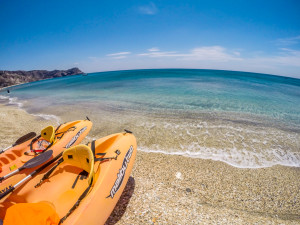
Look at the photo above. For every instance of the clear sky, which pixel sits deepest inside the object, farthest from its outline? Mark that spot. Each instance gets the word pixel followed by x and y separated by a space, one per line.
pixel 256 36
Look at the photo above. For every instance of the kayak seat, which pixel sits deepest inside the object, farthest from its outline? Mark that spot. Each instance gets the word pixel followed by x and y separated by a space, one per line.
pixel 42 142
pixel 41 213
pixel 48 134
pixel 81 156
pixel 78 157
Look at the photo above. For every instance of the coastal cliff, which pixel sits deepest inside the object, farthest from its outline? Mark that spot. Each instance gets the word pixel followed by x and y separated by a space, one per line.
pixel 8 78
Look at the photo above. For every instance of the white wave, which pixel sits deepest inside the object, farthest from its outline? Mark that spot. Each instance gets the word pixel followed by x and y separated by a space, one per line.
pixel 3 97
pixel 14 101
pixel 48 117
pixel 237 158
pixel 241 146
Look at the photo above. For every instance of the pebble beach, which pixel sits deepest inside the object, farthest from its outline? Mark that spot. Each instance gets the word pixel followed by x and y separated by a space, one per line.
pixel 163 112
pixel 170 189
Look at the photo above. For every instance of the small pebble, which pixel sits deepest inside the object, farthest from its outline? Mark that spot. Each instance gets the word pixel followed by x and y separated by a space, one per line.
pixel 178 175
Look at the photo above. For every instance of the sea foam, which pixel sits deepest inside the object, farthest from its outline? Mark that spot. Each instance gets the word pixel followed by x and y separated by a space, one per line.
pixel 240 146
pixel 235 157
pixel 15 102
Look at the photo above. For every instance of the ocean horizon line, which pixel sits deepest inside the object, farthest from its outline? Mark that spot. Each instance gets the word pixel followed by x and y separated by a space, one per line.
pixel 181 68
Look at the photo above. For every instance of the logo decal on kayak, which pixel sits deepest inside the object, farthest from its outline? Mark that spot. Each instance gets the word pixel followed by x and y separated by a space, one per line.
pixel 74 139
pixel 121 174
pixel 5 189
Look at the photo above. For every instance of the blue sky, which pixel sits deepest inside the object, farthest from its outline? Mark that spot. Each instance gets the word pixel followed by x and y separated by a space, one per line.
pixel 254 36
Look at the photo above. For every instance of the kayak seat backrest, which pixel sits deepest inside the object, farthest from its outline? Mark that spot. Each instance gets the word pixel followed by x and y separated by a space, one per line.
pixel 48 134
pixel 81 156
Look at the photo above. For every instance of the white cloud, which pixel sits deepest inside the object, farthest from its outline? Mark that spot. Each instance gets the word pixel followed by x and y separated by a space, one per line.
pixel 236 53
pixel 159 54
pixel 154 49
pixel 286 57
pixel 149 9
pixel 206 53
pixel 120 57
pixel 288 41
pixel 212 53
pixel 285 62
pixel 119 54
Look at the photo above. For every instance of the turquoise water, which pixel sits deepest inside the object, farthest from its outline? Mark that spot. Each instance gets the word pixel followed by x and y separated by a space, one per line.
pixel 244 119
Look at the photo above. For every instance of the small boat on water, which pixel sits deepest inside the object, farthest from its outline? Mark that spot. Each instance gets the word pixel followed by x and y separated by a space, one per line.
pixel 82 187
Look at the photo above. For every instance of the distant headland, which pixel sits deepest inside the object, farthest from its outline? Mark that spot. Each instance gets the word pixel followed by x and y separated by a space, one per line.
pixel 9 78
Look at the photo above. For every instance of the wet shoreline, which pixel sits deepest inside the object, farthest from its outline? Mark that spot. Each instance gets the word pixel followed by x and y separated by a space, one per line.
pixel 170 189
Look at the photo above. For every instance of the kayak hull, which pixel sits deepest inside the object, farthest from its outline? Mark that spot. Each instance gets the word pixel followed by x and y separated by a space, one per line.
pixel 69 134
pixel 65 185
pixel 110 186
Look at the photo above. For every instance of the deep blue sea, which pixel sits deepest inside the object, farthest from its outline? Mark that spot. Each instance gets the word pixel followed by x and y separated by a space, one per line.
pixel 247 120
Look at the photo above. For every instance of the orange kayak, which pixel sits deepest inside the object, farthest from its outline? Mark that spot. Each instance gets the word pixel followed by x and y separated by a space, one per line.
pixel 60 138
pixel 82 188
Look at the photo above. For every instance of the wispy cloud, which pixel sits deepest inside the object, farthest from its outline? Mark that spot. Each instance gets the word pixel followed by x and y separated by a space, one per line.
pixel 158 53
pixel 288 41
pixel 149 9
pixel 286 57
pixel 120 57
pixel 286 61
pixel 206 53
pixel 154 49
pixel 213 53
pixel 119 54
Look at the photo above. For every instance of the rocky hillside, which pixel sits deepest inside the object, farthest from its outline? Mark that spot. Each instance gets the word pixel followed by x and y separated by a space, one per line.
pixel 8 78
